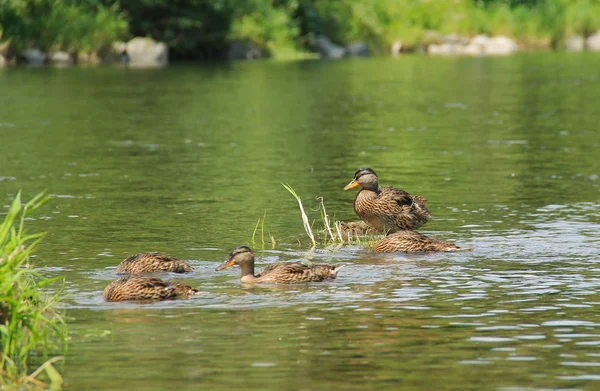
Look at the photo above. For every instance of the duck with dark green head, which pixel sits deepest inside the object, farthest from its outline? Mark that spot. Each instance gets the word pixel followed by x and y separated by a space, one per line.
pixel 278 273
pixel 386 209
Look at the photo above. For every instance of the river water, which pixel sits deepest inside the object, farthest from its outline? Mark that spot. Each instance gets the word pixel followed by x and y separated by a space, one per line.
pixel 186 159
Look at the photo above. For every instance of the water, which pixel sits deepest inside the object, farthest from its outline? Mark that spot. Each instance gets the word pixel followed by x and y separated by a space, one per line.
pixel 186 159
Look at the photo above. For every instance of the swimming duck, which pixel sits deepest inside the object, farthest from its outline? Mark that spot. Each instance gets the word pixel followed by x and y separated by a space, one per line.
pixel 278 273
pixel 386 209
pixel 132 287
pixel 152 262
pixel 413 242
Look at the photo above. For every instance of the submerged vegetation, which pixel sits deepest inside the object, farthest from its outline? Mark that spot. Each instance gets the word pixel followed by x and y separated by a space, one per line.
pixel 284 28
pixel 31 328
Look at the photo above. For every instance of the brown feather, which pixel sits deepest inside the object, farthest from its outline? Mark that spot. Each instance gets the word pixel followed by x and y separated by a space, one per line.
pixel 413 242
pixel 389 209
pixel 132 287
pixel 152 262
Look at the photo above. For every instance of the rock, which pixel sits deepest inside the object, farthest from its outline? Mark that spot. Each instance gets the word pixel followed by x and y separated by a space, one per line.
pixel 396 48
pixel 500 46
pixel 4 54
pixel 328 49
pixel 34 57
pixel 146 52
pixel 454 39
pixel 593 42
pixel 243 51
pixel 61 59
pixel 357 49
pixel 476 46
pixel 445 49
pixel 575 44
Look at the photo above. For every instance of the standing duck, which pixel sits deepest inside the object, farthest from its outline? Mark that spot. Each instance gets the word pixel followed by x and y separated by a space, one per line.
pixel 152 262
pixel 278 273
pixel 413 242
pixel 132 287
pixel 386 209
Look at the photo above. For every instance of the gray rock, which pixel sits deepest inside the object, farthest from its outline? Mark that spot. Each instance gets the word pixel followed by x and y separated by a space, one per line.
pixel 500 46
pixel 328 49
pixel 575 44
pixel 61 59
pixel 146 52
pixel 446 49
pixel 4 54
pixel 396 48
pixel 454 39
pixel 243 51
pixel 357 49
pixel 593 42
pixel 34 57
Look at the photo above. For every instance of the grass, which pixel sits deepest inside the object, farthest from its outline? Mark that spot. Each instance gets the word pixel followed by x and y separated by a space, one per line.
pixel 31 328
pixel 340 235
pixel 261 223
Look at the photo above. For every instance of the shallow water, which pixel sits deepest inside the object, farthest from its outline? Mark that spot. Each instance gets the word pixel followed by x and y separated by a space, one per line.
pixel 186 159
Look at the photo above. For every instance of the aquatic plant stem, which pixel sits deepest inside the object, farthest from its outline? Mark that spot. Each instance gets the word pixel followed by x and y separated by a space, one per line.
pixel 304 216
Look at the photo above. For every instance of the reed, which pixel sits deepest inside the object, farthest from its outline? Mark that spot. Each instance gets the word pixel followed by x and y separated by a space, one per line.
pixel 305 221
pixel 30 325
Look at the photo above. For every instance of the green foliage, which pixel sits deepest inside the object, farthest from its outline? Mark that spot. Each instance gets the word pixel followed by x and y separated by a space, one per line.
pixel 29 323
pixel 282 28
pixel 53 25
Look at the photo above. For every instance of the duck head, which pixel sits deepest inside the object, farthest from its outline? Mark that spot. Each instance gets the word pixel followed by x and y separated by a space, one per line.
pixel 365 177
pixel 241 255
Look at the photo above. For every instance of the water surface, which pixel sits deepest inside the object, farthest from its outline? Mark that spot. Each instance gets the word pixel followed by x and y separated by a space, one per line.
pixel 186 159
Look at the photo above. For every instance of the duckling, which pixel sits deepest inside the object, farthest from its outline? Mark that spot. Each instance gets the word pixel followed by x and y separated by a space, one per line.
pixel 386 209
pixel 132 287
pixel 152 262
pixel 413 242
pixel 278 273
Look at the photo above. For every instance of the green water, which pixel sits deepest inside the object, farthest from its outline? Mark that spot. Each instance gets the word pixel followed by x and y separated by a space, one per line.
pixel 186 159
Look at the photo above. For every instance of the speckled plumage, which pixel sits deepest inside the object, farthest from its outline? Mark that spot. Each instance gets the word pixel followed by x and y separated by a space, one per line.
pixel 387 209
pixel 152 262
pixel 132 287
pixel 348 230
pixel 278 273
pixel 413 242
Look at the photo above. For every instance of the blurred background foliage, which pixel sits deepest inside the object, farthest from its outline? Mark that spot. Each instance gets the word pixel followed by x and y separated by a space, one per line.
pixel 285 28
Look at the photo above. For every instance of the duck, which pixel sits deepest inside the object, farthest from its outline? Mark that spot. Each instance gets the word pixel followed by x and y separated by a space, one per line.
pixel 413 242
pixel 386 209
pixel 350 229
pixel 152 262
pixel 278 273
pixel 136 287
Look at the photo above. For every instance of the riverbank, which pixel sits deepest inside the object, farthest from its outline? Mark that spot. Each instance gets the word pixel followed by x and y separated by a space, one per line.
pixel 75 32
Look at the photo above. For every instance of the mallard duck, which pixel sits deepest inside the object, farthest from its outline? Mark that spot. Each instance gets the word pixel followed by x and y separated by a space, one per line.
pixel 386 209
pixel 152 262
pixel 413 242
pixel 355 228
pixel 278 273
pixel 132 287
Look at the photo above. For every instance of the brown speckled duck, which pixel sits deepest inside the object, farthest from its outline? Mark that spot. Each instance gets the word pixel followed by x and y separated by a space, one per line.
pixel 132 287
pixel 413 242
pixel 278 273
pixel 386 209
pixel 152 262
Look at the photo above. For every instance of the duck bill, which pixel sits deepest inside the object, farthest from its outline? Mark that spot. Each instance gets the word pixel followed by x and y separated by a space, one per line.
pixel 228 263
pixel 351 185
